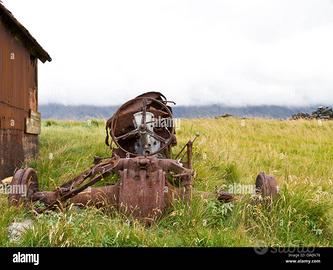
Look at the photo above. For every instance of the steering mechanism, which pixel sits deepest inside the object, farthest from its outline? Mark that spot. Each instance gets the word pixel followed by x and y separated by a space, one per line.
pixel 151 127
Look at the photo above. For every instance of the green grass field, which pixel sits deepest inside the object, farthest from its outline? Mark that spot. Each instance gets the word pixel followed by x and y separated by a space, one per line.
pixel 229 151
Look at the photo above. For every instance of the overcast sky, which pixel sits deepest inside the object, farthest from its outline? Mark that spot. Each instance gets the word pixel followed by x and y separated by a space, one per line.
pixel 235 52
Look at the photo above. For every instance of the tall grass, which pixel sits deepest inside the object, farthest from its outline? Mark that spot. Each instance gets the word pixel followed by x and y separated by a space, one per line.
pixel 228 151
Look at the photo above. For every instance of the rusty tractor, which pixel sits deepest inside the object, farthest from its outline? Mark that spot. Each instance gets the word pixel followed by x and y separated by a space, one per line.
pixel 141 134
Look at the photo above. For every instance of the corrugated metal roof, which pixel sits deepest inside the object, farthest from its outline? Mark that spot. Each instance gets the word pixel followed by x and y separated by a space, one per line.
pixel 23 34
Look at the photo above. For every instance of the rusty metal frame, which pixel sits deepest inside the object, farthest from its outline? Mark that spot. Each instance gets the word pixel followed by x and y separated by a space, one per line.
pixel 144 189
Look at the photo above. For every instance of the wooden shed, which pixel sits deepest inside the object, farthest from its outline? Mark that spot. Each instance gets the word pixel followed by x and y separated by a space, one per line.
pixel 20 121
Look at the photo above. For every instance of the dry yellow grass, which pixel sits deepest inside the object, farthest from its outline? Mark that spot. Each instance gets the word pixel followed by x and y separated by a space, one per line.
pixel 229 151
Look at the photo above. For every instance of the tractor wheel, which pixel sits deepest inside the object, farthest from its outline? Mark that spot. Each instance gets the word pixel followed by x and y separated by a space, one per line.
pixel 266 185
pixel 23 186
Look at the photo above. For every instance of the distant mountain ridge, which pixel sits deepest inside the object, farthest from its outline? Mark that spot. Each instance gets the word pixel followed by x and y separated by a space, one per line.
pixel 84 112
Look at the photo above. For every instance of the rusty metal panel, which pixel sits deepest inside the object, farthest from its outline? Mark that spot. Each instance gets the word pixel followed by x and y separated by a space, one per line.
pixel 30 146
pixel 15 149
pixel 11 118
pixel 18 80
pixel 18 92
pixel 11 151
pixel 18 97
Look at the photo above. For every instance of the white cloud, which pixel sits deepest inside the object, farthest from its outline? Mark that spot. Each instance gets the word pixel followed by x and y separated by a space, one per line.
pixel 207 51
